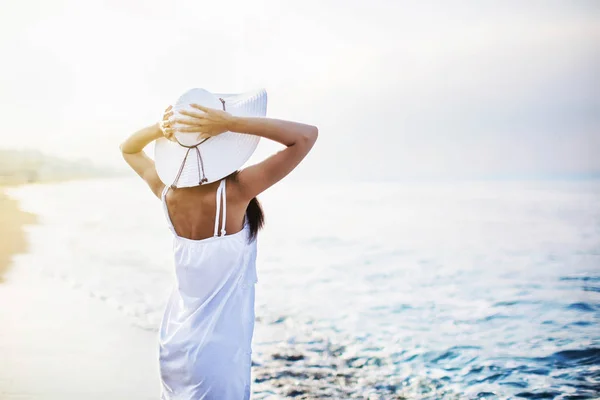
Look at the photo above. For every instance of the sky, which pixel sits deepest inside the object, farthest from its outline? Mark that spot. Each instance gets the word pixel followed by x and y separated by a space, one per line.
pixel 398 89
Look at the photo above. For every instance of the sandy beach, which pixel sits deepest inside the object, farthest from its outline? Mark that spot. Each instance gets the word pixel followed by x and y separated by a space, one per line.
pixel 65 346
pixel 12 236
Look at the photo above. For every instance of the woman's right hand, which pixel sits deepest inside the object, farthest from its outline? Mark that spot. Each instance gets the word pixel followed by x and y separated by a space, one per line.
pixel 205 121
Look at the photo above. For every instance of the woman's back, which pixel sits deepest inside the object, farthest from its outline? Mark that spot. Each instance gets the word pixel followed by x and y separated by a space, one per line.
pixel 192 210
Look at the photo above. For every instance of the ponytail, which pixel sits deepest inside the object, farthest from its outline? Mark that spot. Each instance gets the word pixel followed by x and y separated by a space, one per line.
pixel 254 214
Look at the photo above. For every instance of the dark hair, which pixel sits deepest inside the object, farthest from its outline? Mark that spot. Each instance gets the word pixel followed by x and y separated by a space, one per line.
pixel 254 213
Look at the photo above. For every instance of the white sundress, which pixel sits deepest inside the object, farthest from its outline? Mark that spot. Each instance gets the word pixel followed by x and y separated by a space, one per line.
pixel 206 332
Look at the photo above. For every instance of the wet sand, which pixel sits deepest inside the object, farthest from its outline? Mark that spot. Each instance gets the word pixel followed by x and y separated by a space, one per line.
pixel 56 342
pixel 12 237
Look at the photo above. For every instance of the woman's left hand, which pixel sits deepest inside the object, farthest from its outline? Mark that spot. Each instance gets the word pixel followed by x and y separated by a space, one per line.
pixel 166 123
pixel 207 122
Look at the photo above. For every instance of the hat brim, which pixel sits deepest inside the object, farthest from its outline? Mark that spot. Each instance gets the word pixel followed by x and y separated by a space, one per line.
pixel 222 154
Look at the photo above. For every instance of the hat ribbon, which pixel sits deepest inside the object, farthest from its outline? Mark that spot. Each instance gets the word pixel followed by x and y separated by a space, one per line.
pixel 198 157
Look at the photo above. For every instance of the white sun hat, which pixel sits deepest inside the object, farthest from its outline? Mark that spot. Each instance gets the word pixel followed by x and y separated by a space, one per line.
pixel 190 161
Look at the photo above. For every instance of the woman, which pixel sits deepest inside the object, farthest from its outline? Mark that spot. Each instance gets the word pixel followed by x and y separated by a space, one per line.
pixel 206 332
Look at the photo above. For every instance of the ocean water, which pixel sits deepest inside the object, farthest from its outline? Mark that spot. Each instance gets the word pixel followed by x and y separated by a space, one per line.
pixel 463 290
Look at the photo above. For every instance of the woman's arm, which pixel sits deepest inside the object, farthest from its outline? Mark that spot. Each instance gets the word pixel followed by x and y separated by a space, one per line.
pixel 133 151
pixel 298 139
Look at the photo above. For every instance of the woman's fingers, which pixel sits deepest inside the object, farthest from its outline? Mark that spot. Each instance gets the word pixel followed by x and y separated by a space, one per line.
pixel 191 129
pixel 201 108
pixel 188 121
pixel 192 113
pixel 194 119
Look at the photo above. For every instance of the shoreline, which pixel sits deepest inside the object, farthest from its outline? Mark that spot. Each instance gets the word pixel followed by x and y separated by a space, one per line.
pixel 59 343
pixel 14 240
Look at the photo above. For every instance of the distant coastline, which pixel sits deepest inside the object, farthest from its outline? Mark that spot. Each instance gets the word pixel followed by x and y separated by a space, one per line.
pixel 30 166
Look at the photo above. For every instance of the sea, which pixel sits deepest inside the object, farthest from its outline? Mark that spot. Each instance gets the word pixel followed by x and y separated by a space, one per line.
pixel 369 290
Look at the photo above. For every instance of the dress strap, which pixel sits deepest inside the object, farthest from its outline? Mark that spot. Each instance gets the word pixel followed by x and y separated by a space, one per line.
pixel 221 196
